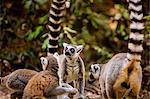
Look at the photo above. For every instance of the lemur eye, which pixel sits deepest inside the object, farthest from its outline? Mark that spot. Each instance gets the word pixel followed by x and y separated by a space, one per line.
pixel 90 68
pixel 43 62
pixel 96 68
pixel 66 48
pixel 72 50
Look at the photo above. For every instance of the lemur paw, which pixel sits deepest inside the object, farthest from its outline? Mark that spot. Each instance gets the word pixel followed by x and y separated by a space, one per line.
pixel 73 91
pixel 66 85
pixel 81 97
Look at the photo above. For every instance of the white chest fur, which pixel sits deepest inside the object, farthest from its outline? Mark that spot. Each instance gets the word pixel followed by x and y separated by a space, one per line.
pixel 73 71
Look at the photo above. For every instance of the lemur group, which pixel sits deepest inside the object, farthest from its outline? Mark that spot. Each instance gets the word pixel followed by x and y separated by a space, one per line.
pixel 63 75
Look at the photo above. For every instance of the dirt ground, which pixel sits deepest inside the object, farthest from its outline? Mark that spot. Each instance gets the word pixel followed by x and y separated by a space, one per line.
pixel 5 94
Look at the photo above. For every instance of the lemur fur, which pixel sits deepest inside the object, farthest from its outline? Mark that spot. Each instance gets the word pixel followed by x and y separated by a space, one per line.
pixel 45 84
pixel 71 68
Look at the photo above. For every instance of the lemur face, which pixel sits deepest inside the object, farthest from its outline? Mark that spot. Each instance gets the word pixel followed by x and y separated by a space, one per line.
pixel 44 62
pixel 50 62
pixel 71 50
pixel 95 71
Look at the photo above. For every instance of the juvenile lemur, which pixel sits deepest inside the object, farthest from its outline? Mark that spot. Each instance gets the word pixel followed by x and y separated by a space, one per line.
pixel 45 84
pixel 122 75
pixel 72 68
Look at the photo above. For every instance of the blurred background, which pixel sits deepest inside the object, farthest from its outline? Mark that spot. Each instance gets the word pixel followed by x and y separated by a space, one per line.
pixel 102 26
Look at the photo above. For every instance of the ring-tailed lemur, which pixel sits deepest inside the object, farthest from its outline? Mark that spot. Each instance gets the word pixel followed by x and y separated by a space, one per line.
pixel 122 75
pixel 46 83
pixel 57 12
pixel 17 80
pixel 92 86
pixel 132 73
pixel 72 68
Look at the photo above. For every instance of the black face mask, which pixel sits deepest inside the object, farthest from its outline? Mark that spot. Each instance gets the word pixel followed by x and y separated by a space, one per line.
pixel 67 53
pixel 72 50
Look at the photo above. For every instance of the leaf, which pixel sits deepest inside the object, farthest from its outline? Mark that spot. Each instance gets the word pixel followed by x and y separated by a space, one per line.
pixel 45 44
pixel 95 25
pixel 35 33
pixel 70 37
pixel 41 1
pixel 147 17
pixel 103 51
pixel 69 30
pixel 27 3
pixel 43 19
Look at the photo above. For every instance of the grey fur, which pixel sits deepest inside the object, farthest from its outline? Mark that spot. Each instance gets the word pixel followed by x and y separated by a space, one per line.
pixel 17 80
pixel 109 74
pixel 72 68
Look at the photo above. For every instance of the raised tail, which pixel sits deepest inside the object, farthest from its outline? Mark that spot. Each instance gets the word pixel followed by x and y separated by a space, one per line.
pixel 57 12
pixel 136 37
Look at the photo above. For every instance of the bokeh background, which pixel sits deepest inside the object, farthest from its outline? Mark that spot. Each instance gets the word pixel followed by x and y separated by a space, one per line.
pixel 102 26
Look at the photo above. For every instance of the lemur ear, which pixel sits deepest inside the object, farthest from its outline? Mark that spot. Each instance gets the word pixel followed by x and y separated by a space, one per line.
pixel 79 48
pixel 65 44
pixel 67 3
pixel 56 55
pixel 44 62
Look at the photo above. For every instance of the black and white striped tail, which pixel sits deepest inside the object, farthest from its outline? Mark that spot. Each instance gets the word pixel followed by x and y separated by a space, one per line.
pixel 57 12
pixel 136 37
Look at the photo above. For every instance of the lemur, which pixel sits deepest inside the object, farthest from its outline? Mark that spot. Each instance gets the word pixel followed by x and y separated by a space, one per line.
pixel 121 77
pixel 17 80
pixel 57 12
pixel 71 68
pixel 92 86
pixel 45 84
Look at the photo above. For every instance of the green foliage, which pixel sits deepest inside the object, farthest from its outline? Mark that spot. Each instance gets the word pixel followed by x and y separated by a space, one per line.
pixel 20 30
pixel 45 44
pixel 147 25
pixel 39 29
pixel 33 4
pixel 93 29
pixel 100 25
pixel 34 34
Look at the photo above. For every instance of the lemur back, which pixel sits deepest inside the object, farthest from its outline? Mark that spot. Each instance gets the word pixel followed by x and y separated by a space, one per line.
pixel 56 12
pixel 124 75
pixel 131 76
pixel 38 84
pixel 109 73
pixel 17 80
pixel 45 84
pixel 72 68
